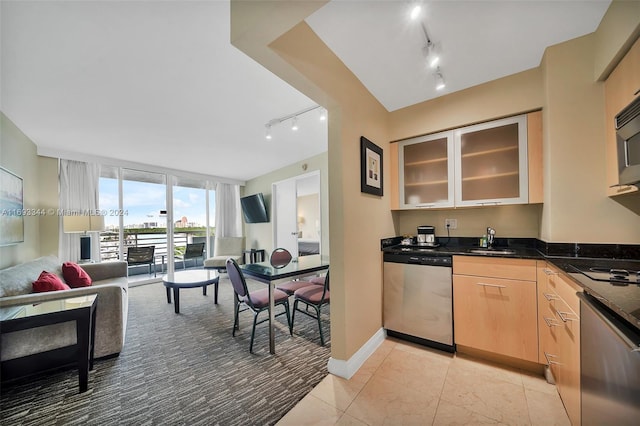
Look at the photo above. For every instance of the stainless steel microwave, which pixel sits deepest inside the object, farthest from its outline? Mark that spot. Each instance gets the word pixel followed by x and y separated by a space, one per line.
pixel 627 124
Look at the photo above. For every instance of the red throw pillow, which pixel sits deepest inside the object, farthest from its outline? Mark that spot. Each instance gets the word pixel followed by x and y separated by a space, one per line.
pixel 75 276
pixel 48 281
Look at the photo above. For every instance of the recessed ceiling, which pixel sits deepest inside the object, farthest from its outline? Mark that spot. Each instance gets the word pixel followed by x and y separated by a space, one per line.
pixel 158 82
pixel 478 41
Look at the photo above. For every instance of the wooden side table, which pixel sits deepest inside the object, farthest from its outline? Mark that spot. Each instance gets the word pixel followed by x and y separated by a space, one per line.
pixel 81 309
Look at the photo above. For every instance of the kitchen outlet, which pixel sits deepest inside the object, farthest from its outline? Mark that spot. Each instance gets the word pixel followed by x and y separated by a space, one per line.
pixel 451 223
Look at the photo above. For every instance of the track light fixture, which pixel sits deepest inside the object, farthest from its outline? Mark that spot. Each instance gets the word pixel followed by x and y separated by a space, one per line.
pixel 433 58
pixel 294 119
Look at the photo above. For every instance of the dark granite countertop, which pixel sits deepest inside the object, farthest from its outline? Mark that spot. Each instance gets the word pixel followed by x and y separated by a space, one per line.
pixel 624 300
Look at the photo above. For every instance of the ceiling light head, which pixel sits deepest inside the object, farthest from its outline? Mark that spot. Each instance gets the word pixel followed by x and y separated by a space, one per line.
pixel 416 11
pixel 268 132
pixel 440 84
pixel 294 123
pixel 431 52
pixel 323 114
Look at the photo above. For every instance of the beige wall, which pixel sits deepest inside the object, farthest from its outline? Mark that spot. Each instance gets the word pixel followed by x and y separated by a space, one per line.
pixel 576 205
pixel 260 235
pixel 18 155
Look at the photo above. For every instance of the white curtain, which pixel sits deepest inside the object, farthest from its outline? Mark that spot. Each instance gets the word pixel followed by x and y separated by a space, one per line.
pixel 228 213
pixel 79 184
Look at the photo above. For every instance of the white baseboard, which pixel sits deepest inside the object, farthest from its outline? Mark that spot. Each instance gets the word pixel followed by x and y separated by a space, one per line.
pixel 348 368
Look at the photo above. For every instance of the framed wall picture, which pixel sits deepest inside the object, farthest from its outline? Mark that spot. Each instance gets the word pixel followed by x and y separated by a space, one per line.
pixel 11 208
pixel 370 167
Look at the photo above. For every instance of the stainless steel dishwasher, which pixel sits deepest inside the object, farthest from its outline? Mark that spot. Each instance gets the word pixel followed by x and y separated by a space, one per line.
pixel 609 366
pixel 418 299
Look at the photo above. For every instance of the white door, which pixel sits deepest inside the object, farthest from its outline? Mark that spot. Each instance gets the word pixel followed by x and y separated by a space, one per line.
pixel 285 216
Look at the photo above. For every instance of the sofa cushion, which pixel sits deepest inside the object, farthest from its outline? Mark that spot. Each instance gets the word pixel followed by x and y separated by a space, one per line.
pixel 48 281
pixel 18 279
pixel 75 276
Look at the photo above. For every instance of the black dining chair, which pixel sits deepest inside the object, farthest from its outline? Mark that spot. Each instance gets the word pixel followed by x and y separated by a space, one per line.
pixel 313 296
pixel 255 301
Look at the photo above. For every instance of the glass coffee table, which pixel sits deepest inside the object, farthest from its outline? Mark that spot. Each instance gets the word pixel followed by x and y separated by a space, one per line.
pixel 81 309
pixel 190 279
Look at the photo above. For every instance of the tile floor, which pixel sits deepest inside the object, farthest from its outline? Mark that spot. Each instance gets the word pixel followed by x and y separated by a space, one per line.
pixel 402 383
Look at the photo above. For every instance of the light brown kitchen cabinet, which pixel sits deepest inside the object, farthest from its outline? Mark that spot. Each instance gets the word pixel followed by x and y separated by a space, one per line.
pixel 427 174
pixel 559 322
pixel 621 88
pixel 491 163
pixel 494 305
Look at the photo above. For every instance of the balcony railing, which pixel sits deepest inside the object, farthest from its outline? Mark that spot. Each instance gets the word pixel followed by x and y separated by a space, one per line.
pixel 110 242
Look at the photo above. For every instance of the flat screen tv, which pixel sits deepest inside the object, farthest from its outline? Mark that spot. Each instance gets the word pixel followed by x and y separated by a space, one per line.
pixel 254 208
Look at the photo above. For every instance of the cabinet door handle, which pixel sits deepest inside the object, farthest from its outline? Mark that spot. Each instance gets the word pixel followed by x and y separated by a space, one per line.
pixel 565 316
pixel 550 296
pixel 550 322
pixel 548 271
pixel 491 285
pixel 425 206
pixel 547 356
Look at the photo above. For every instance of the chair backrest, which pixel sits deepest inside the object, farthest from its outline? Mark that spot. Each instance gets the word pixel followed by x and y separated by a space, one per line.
pixel 280 258
pixel 232 246
pixel 237 278
pixel 194 250
pixel 140 255
pixel 325 292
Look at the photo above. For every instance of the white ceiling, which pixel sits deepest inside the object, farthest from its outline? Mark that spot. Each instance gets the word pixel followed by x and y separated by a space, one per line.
pixel 157 82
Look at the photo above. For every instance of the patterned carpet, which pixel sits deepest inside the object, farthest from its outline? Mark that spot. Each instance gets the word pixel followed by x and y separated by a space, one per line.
pixel 182 369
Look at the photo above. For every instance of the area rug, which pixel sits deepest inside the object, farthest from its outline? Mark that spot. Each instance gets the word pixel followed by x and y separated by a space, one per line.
pixel 181 369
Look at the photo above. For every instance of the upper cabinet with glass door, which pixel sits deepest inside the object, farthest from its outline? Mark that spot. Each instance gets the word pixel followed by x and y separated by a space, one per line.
pixel 491 163
pixel 426 171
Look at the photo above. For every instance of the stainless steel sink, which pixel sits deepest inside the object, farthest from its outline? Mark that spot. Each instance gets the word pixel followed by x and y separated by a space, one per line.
pixel 492 251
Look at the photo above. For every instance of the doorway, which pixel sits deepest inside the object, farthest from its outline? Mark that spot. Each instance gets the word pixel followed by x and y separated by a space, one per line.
pixel 296 214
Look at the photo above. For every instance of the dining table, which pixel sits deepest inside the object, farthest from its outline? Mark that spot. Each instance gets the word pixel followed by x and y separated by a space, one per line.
pixel 272 275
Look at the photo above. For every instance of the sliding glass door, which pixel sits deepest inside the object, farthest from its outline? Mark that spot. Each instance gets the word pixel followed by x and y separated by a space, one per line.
pixel 138 215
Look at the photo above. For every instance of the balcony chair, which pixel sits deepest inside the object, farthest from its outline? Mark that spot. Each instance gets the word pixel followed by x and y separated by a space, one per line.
pixel 313 296
pixel 142 256
pixel 223 249
pixel 192 251
pixel 255 301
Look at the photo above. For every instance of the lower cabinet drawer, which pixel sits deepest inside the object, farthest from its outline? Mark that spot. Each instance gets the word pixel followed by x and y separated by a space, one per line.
pixel 496 315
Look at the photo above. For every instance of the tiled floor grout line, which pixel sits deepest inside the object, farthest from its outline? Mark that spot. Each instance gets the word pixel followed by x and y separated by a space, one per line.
pixel 444 383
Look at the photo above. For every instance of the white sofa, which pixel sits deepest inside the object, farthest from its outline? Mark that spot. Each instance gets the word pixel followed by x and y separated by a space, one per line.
pixel 109 282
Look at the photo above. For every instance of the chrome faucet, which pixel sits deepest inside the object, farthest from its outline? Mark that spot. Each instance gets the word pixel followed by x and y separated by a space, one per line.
pixel 491 233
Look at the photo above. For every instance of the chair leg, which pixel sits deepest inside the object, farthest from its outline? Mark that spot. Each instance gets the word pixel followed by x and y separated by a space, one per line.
pixel 286 308
pixel 317 308
pixel 235 319
pixel 293 314
pixel 253 331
